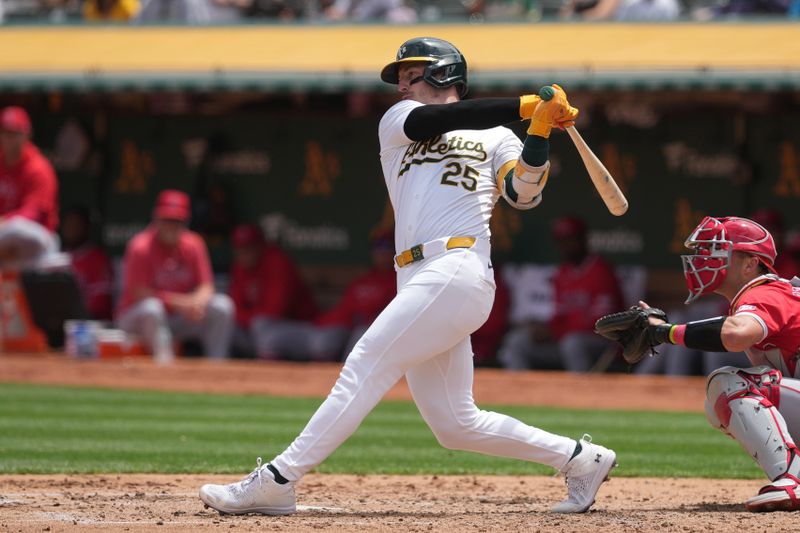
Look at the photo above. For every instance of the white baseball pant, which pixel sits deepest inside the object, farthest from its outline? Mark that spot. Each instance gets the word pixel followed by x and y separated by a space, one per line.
pixel 149 320
pixel 424 334
pixel 25 243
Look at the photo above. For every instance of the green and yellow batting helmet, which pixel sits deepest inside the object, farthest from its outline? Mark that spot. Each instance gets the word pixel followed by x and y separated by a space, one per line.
pixel 446 65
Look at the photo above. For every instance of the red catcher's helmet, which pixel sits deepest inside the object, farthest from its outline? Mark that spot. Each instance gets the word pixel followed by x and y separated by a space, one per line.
pixel 713 242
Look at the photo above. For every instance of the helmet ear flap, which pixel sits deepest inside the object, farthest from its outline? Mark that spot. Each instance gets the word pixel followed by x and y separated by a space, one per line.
pixel 442 76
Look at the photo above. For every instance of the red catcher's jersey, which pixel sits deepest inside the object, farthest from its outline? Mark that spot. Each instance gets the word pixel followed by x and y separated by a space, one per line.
pixel 775 304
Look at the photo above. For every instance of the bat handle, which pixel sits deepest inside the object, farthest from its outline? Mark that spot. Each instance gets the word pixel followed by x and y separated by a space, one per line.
pixel 573 133
pixel 547 93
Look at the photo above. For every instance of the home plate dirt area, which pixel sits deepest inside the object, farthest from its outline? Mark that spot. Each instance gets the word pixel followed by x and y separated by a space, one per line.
pixel 157 502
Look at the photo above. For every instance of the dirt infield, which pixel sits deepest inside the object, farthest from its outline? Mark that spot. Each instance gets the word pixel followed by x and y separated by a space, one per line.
pixel 606 391
pixel 381 503
pixel 374 503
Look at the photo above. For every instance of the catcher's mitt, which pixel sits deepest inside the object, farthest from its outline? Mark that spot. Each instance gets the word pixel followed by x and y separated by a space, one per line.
pixel 632 330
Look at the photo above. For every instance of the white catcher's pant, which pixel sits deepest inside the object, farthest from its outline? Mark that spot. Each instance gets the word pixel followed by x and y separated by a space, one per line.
pixel 424 334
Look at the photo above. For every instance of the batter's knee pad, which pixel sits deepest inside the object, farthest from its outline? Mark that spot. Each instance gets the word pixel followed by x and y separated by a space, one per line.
pixel 743 403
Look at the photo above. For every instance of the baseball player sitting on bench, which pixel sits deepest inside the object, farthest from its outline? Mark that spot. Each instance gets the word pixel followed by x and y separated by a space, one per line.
pixel 445 162
pixel 28 196
pixel 759 407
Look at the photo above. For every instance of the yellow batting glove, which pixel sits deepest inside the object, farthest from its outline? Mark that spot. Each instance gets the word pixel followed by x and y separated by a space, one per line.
pixel 552 110
pixel 568 119
pixel 570 115
pixel 527 104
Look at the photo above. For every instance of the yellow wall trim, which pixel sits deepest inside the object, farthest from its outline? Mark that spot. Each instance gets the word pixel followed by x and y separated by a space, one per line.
pixel 340 49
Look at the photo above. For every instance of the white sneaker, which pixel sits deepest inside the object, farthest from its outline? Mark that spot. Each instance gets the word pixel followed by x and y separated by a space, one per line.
pixel 783 494
pixel 585 473
pixel 257 493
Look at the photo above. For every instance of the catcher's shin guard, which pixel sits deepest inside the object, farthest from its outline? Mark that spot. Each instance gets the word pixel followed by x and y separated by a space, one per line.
pixel 744 404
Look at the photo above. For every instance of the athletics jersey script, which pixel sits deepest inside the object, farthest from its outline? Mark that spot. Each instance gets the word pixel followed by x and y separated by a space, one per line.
pixel 445 186
pixel 775 304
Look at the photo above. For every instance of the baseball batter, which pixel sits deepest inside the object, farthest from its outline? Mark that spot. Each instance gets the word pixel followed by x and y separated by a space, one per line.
pixel 446 162
pixel 759 407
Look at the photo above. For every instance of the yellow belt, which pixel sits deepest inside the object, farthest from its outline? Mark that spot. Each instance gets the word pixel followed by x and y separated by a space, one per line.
pixel 415 253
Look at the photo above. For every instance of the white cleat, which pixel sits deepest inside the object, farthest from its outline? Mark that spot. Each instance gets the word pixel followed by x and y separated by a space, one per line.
pixel 257 493
pixel 783 494
pixel 585 473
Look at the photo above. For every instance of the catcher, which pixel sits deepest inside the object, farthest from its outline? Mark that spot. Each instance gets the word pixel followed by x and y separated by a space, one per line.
pixel 759 407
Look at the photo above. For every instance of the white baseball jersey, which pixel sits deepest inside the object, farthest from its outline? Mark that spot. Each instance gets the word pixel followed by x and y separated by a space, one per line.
pixel 443 186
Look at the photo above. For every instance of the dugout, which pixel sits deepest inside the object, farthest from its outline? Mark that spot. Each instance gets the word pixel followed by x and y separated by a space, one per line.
pixel 277 125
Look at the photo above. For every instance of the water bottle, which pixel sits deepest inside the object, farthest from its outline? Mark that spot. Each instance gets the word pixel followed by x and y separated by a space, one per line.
pixel 85 345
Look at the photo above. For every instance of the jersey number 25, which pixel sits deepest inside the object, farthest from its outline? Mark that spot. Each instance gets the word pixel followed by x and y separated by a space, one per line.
pixel 463 175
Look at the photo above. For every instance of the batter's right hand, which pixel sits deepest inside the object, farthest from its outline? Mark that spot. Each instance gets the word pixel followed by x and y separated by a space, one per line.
pixel 527 105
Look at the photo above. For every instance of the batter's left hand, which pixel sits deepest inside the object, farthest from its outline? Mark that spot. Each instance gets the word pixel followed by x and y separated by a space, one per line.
pixel 570 114
pixel 555 112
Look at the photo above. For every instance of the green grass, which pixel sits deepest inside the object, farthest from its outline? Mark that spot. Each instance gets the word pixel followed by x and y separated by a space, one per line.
pixel 79 430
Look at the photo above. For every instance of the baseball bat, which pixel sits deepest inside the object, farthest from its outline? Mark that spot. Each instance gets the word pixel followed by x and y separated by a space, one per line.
pixel 615 201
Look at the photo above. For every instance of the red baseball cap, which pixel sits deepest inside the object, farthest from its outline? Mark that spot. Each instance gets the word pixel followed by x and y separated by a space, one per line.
pixel 172 205
pixel 247 235
pixel 15 119
pixel 569 226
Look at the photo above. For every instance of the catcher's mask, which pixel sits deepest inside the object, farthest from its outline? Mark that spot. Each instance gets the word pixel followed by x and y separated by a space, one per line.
pixel 446 65
pixel 714 242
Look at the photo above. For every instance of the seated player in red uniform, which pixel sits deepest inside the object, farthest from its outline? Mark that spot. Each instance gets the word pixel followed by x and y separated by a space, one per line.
pixel 289 331
pixel 365 297
pixel 90 263
pixel 585 288
pixel 168 287
pixel 28 195
pixel 267 291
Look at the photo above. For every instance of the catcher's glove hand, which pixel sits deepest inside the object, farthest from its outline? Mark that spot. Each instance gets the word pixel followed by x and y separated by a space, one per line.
pixel 632 330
